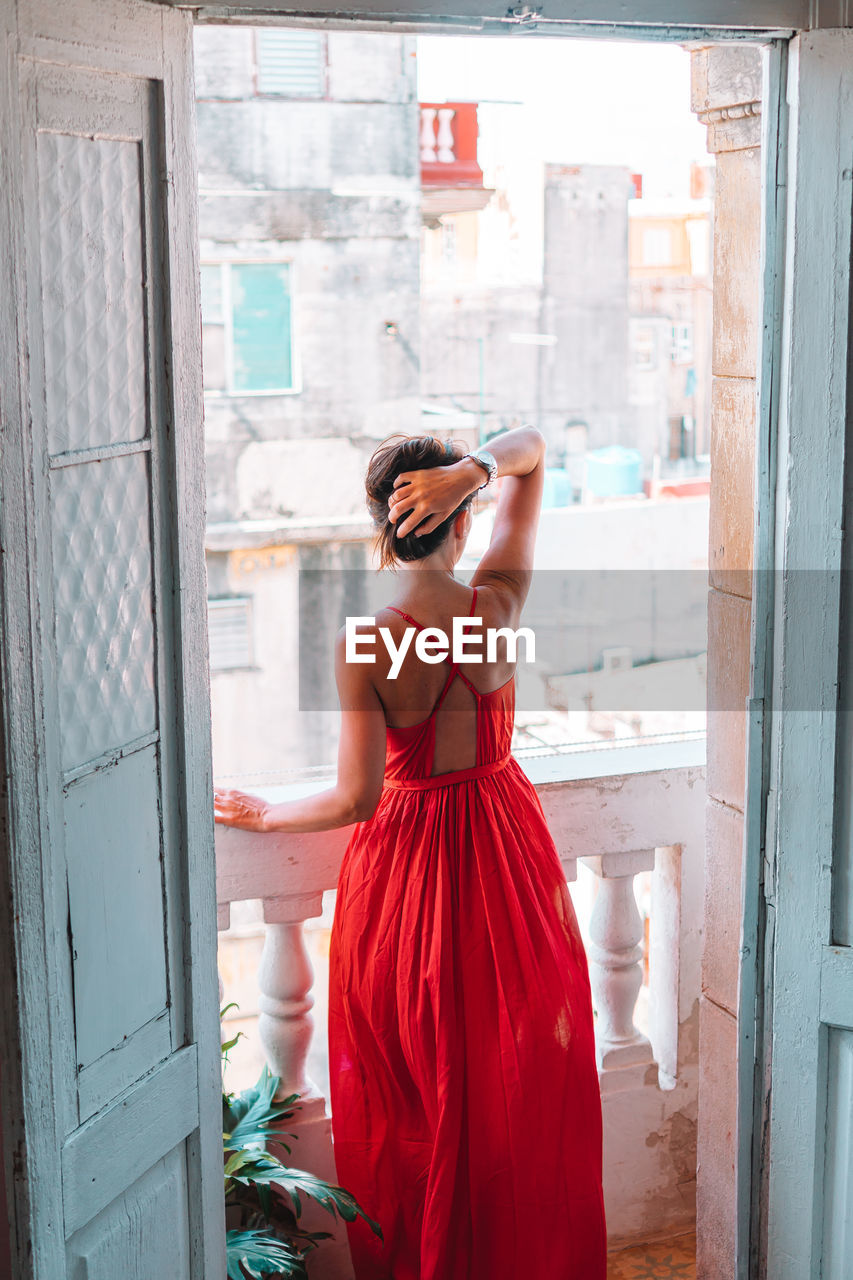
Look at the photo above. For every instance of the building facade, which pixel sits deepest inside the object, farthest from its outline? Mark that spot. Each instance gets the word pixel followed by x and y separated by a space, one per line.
pixel 309 211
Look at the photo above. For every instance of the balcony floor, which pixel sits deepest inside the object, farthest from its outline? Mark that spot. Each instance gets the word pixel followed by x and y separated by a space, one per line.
pixel 668 1260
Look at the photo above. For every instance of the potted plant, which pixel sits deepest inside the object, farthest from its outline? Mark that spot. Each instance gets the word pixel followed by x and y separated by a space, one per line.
pixel 263 1196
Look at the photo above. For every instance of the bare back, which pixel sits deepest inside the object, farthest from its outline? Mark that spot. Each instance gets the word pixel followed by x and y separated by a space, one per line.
pixel 446 691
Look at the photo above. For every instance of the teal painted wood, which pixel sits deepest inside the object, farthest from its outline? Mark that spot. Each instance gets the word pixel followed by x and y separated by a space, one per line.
pixel 194 919
pixel 692 19
pixel 752 1057
pixel 516 21
pixel 107 844
pixel 810 517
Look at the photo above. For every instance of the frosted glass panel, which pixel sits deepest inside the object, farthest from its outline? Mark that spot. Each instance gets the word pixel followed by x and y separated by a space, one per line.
pixel 104 605
pixel 91 238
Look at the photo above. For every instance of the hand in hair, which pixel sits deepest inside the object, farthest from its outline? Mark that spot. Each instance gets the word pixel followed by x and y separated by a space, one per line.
pixel 423 499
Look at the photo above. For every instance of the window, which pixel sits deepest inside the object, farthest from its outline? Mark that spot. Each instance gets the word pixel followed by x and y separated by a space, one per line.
pixel 229 625
pixel 682 343
pixel 448 241
pixel 291 64
pixel 645 348
pixel 657 247
pixel 246 311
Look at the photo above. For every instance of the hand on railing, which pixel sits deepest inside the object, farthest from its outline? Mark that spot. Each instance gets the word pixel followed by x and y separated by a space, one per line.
pixel 239 809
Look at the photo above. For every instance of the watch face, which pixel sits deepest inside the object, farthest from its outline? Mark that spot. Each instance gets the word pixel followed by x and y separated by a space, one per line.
pixel 489 459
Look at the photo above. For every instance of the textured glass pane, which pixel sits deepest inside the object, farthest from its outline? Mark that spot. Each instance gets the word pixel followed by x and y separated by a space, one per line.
pixel 261 329
pixel 91 237
pixel 104 605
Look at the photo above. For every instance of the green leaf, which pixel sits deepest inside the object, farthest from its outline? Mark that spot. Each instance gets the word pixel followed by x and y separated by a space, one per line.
pixel 249 1118
pixel 257 1254
pixel 333 1199
pixel 251 1167
pixel 265 1197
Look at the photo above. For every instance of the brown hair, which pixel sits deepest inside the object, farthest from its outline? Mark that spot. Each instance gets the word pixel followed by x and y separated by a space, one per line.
pixel 394 456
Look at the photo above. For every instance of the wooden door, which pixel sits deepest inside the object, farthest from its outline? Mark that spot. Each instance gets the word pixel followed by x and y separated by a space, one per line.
pixel 808 1161
pixel 113 1111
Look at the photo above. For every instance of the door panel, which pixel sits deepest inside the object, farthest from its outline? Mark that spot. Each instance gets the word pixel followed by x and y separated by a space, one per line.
pixel 105 593
pixel 115 906
pixel 809 1170
pixel 838 1168
pixel 142 1234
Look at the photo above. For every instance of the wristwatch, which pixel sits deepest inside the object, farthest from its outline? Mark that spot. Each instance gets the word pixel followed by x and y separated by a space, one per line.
pixel 488 462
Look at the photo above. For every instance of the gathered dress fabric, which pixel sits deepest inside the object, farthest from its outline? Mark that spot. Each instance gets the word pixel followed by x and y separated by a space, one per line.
pixel 465 1103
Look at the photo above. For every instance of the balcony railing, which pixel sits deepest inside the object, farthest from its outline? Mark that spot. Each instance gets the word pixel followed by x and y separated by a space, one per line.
pixel 620 811
pixel 448 144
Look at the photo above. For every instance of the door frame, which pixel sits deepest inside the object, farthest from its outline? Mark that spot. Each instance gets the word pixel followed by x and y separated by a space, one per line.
pixel 578 20
pixel 570 19
pixel 142 40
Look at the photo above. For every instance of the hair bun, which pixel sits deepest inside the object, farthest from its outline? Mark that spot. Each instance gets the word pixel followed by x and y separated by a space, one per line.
pixel 394 456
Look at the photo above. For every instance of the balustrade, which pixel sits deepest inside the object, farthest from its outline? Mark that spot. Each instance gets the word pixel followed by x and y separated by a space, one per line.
pixel 646 817
pixel 448 144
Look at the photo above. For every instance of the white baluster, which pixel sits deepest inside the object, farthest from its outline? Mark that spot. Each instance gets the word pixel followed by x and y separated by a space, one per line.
pixel 615 958
pixel 427 135
pixel 445 140
pixel 285 1027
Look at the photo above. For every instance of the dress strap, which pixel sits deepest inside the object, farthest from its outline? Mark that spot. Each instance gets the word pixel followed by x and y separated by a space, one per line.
pixel 407 617
pixel 419 625
pixel 454 670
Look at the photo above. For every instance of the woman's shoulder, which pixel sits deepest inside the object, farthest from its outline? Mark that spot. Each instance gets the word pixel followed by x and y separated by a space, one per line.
pixel 500 593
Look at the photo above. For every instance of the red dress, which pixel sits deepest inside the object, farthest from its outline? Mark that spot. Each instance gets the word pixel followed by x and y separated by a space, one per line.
pixel 465 1103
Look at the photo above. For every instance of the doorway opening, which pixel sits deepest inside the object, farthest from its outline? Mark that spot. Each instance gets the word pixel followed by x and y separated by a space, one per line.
pixel 453 235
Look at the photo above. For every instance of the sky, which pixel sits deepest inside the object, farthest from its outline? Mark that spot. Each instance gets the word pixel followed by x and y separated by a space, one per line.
pixel 599 102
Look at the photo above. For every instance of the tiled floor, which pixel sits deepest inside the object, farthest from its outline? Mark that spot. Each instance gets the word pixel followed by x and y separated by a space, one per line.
pixel 671 1260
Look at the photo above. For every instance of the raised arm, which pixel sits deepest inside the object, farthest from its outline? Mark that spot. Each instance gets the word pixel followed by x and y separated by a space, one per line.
pixel 428 497
pixel 361 768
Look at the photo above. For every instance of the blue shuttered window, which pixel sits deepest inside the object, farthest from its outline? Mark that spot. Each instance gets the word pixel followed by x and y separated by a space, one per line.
pixel 291 64
pixel 248 327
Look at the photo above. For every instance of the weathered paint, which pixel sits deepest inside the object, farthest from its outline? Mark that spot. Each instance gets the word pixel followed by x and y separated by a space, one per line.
pixel 120 46
pixel 812 1020
pixel 753 1055
pixel 108 919
pixel 697 19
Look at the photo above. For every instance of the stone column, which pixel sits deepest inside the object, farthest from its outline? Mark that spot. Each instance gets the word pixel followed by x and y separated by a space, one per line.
pixel 726 91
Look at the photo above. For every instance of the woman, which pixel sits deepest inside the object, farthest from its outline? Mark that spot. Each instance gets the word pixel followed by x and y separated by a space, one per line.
pixel 465 1100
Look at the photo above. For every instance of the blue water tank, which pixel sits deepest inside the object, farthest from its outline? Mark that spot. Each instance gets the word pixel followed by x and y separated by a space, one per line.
pixel 558 488
pixel 613 471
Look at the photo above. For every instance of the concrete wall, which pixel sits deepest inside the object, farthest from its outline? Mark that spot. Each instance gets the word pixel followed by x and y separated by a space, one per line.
pixel 265 718
pixel 454 324
pixel 582 302
pixel 597 304
pixel 333 186
pixel 585 303
pixel 726 86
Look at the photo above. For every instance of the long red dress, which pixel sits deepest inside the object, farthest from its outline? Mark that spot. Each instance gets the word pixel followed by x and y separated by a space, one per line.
pixel 465 1103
